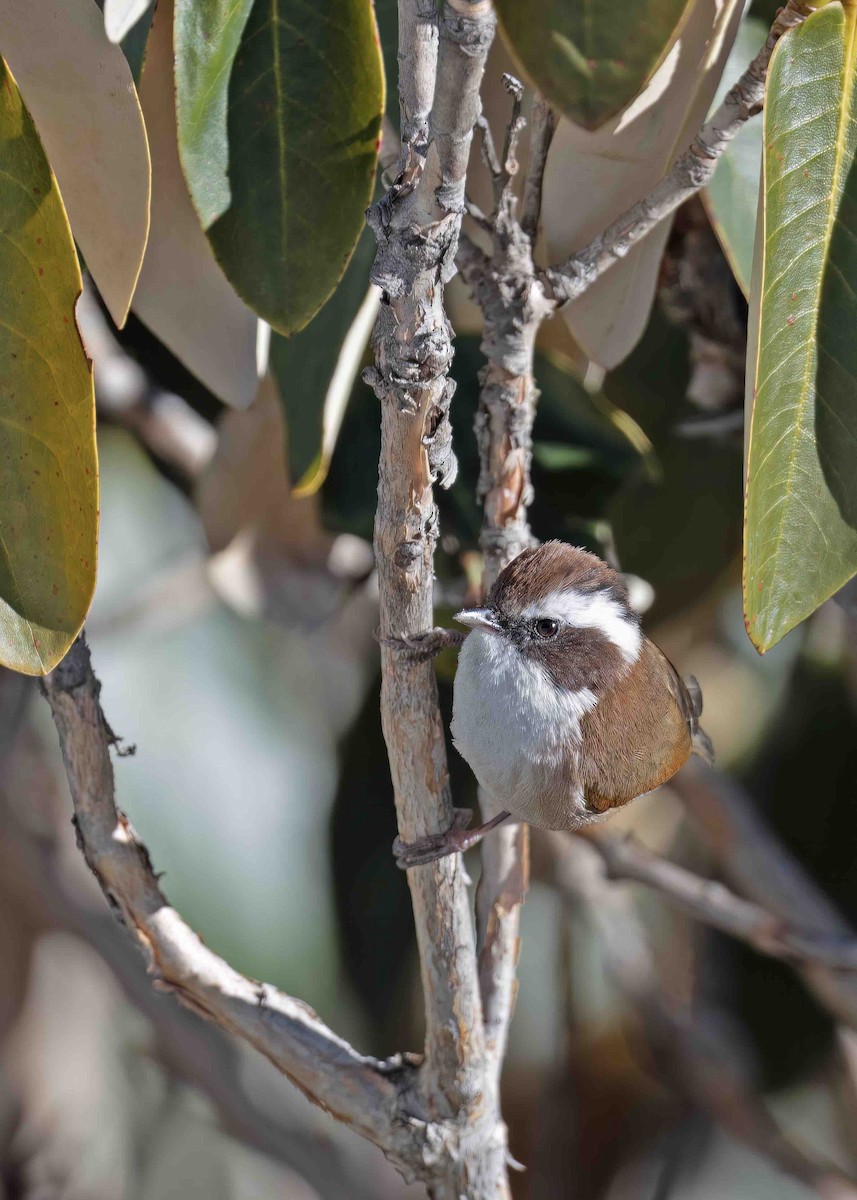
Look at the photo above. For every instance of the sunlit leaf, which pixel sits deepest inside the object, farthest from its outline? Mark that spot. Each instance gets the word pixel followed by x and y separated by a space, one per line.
pixel 48 466
pixel 279 139
pixel 206 42
pixel 315 370
pixel 801 508
pixel 79 89
pixel 589 58
pixel 120 16
pixel 733 193
pixel 183 296
pixel 592 177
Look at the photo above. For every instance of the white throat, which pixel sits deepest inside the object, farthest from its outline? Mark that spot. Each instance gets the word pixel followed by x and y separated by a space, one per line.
pixel 591 610
pixel 511 723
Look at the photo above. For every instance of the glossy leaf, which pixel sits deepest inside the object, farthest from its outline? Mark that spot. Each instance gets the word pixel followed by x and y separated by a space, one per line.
pixel 48 465
pixel 316 368
pixel 79 89
pixel 206 42
pixel 587 57
pixel 302 122
pixel 801 503
pixel 592 177
pixel 732 196
pixel 183 297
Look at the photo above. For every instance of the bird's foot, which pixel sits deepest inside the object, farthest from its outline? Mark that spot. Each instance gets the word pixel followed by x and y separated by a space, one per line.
pixel 421 647
pixel 457 838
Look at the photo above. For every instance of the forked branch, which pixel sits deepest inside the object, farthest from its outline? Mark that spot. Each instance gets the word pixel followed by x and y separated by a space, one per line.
pixel 690 173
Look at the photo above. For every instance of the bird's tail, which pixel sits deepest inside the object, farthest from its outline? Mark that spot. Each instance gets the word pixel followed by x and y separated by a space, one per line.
pixel 700 741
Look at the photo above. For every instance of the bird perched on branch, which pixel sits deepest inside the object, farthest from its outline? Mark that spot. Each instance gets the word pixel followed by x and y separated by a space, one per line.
pixel 563 707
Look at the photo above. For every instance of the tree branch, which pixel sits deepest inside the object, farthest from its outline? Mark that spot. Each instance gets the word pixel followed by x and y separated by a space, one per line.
pixel 544 123
pixel 710 902
pixel 418 39
pixel 199 1052
pixel 690 173
pixel 755 861
pixel 363 1092
pixel 417 226
pixel 505 287
pixel 693 1053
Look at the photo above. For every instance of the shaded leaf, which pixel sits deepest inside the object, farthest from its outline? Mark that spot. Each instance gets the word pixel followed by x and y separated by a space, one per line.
pixel 120 16
pixel 306 96
pixel 49 476
pixel 316 368
pixel 680 529
pixel 586 57
pixel 592 177
pixel 79 89
pixel 558 456
pixel 801 506
pixel 732 196
pixel 183 297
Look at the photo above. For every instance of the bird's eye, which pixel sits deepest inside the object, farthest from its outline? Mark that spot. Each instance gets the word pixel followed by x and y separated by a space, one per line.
pixel 546 628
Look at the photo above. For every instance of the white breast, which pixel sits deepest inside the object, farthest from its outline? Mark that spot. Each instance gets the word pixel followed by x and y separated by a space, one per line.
pixel 510 722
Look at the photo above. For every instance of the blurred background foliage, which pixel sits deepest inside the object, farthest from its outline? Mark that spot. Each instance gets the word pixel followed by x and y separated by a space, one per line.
pixel 233 633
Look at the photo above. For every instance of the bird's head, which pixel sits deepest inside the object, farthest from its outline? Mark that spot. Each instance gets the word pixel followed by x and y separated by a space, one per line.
pixel 566 610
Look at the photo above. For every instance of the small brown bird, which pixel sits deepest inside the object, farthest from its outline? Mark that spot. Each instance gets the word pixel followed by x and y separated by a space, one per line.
pixel 563 708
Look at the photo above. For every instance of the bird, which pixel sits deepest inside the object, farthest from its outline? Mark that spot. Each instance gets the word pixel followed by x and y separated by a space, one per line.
pixel 562 707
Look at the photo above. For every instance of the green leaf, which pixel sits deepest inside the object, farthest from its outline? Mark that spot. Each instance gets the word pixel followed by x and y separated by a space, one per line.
pixel 316 368
pixel 206 42
pixel 48 465
pixel 800 537
pixel 279 139
pixel 590 58
pixel 732 196
pixel 182 295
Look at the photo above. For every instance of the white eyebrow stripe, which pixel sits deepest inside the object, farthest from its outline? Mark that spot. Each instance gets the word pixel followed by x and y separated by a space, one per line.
pixel 591 610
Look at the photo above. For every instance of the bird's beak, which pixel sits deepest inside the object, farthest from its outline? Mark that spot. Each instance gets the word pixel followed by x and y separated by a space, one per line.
pixel 478 618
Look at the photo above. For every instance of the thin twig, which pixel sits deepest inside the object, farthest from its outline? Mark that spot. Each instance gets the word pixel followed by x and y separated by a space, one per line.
pixel 514 129
pixel 505 288
pixel 361 1091
pixel 543 126
pixel 692 1052
pixel 487 147
pixel 691 172
pixel 755 861
pixel 714 904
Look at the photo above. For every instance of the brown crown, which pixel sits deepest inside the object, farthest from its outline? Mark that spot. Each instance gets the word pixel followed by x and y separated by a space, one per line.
pixel 552 567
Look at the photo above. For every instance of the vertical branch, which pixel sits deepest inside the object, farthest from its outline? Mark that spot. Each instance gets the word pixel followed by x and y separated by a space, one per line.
pixel 417 226
pixel 504 285
pixel 418 38
pixel 544 122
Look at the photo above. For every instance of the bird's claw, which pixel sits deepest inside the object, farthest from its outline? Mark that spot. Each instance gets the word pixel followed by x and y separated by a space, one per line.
pixel 435 845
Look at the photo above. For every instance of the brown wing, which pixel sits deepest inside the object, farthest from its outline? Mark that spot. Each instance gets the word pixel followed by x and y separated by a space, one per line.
pixel 640 733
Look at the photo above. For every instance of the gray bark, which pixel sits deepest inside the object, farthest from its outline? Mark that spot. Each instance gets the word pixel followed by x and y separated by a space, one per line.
pixel 417 227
